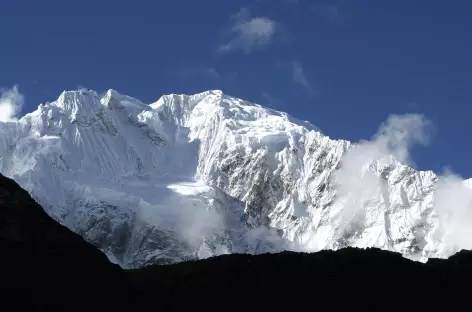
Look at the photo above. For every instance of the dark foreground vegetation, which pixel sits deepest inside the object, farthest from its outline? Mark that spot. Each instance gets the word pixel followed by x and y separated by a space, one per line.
pixel 45 266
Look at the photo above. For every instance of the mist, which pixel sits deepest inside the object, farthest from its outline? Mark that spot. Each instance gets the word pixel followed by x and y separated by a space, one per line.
pixel 453 203
pixel 11 103
pixel 356 182
pixel 392 143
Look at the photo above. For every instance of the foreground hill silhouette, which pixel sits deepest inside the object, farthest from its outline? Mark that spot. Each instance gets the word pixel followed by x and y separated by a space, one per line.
pixel 45 266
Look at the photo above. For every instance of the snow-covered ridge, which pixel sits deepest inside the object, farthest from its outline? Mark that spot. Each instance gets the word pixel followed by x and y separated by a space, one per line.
pixel 199 175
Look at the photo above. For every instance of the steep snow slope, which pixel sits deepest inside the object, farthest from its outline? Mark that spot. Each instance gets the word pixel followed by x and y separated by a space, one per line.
pixel 191 176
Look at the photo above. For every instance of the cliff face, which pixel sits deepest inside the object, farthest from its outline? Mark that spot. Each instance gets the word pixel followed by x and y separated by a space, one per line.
pixel 193 176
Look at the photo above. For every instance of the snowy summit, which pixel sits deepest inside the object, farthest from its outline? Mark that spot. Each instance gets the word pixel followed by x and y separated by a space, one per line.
pixel 192 176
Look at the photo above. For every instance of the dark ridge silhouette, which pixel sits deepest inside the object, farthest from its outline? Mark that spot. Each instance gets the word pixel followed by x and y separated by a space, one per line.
pixel 45 266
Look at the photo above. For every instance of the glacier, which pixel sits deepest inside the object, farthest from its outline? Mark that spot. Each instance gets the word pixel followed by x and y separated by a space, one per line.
pixel 193 176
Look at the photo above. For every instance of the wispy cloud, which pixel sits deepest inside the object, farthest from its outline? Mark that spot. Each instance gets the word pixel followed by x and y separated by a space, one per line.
pixel 268 99
pixel 357 182
pixel 211 72
pixel 199 71
pixel 249 33
pixel 298 75
pixel 11 103
pixel 328 12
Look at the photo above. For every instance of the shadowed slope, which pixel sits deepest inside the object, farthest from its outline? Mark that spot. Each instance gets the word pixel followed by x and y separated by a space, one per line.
pixel 45 266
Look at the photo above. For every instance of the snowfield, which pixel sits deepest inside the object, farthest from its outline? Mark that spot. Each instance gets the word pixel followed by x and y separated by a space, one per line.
pixel 192 176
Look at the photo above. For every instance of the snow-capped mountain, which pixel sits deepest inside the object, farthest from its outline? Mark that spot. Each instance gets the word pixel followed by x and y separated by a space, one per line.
pixel 191 176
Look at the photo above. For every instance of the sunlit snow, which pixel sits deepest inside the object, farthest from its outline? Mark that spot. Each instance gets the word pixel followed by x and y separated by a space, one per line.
pixel 191 176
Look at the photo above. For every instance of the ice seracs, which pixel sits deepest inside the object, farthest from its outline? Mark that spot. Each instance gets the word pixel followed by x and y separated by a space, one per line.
pixel 191 176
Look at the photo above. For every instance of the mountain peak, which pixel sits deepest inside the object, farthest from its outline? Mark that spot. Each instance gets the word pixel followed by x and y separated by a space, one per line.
pixel 36 249
pixel 196 175
pixel 81 101
pixel 200 94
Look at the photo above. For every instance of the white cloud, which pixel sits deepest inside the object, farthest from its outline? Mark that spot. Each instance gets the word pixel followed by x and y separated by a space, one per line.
pixel 399 133
pixel 356 182
pixel 249 33
pixel 11 103
pixel 453 203
pixel 298 75
pixel 395 137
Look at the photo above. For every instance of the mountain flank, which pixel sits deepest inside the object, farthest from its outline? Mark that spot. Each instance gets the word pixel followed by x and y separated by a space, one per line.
pixel 193 176
pixel 45 266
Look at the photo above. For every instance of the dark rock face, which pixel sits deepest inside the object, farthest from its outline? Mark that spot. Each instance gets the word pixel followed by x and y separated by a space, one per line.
pixel 45 266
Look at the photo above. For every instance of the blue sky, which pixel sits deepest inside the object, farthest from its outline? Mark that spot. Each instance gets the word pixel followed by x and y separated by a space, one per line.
pixel 343 65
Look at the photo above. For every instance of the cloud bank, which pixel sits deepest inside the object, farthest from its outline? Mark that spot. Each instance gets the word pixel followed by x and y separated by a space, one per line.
pixel 11 103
